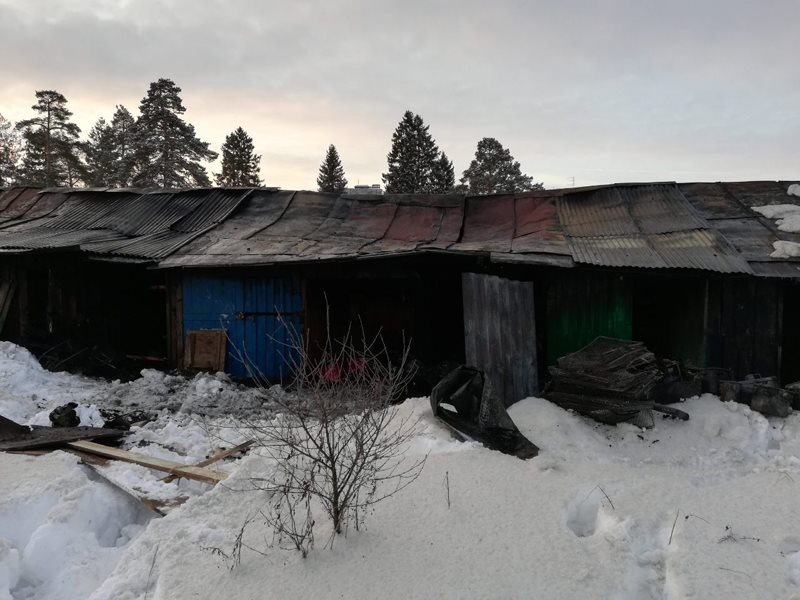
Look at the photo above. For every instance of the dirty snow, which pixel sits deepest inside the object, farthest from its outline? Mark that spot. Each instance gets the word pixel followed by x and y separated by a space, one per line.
pixel 699 509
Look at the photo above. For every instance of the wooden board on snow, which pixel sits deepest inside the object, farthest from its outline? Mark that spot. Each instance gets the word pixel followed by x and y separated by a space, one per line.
pixel 159 464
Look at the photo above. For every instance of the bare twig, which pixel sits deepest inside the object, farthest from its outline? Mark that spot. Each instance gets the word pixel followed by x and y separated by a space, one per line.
pixel 447 485
pixel 597 487
pixel 735 571
pixel 675 522
pixel 150 573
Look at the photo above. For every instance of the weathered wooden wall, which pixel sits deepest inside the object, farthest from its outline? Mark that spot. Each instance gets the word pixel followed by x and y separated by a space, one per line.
pixel 744 324
pixel 500 333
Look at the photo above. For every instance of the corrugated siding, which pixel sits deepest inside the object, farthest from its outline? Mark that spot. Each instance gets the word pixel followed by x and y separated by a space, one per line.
pixel 260 316
pixel 499 314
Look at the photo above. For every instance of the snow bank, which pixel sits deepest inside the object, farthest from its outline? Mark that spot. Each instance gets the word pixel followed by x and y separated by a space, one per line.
pixel 61 534
pixel 702 509
pixel 699 509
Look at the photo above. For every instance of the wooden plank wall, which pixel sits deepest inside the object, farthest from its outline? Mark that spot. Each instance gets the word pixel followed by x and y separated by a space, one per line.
pixel 174 308
pixel 744 326
pixel 500 334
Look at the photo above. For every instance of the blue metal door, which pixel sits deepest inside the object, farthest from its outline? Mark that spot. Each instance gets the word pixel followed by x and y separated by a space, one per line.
pixel 259 314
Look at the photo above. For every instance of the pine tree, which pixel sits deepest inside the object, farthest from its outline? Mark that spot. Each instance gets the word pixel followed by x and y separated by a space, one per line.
pixel 167 151
pixel 101 159
pixel 9 152
pixel 51 156
pixel 443 177
pixel 494 171
pixel 123 128
pixel 240 163
pixel 331 173
pixel 412 157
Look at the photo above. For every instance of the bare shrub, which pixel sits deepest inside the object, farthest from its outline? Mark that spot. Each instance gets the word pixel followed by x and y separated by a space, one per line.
pixel 339 441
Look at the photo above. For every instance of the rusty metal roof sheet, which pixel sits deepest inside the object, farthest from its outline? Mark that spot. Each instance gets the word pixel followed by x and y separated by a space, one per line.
pixel 309 226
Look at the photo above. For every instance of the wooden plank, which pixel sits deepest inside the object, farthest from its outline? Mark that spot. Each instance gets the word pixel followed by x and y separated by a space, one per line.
pixel 500 313
pixel 168 466
pixel 216 456
pixel 160 507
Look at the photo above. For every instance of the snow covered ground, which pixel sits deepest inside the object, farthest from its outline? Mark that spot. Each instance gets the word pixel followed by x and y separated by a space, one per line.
pixel 701 509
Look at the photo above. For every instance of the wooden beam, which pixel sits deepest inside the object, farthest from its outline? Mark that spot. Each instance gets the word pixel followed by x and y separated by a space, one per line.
pixel 168 466
pixel 215 457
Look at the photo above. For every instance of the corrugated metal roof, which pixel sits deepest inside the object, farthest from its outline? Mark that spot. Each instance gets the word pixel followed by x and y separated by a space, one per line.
pixel 647 226
pixel 210 207
pixel 124 223
pixel 627 210
pixel 728 209
pixel 688 226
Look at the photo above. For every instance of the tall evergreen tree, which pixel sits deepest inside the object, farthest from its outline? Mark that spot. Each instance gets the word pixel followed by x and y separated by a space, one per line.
pixel 494 171
pixel 51 155
pixel 331 173
pixel 101 157
pixel 412 157
pixel 123 129
pixel 240 163
pixel 443 177
pixel 168 153
pixel 9 152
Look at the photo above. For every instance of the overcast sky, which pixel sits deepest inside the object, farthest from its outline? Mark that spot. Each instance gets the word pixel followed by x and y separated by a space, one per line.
pixel 612 91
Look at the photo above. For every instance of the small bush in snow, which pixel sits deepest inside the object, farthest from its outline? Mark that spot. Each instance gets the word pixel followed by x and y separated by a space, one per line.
pixel 339 442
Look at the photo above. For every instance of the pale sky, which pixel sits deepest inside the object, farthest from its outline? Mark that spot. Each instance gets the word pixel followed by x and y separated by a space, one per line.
pixel 612 91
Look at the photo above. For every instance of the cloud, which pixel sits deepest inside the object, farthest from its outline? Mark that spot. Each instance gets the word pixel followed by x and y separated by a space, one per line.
pixel 618 90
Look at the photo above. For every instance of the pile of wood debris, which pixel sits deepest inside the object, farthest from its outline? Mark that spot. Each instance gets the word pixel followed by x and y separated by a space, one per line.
pixel 83 442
